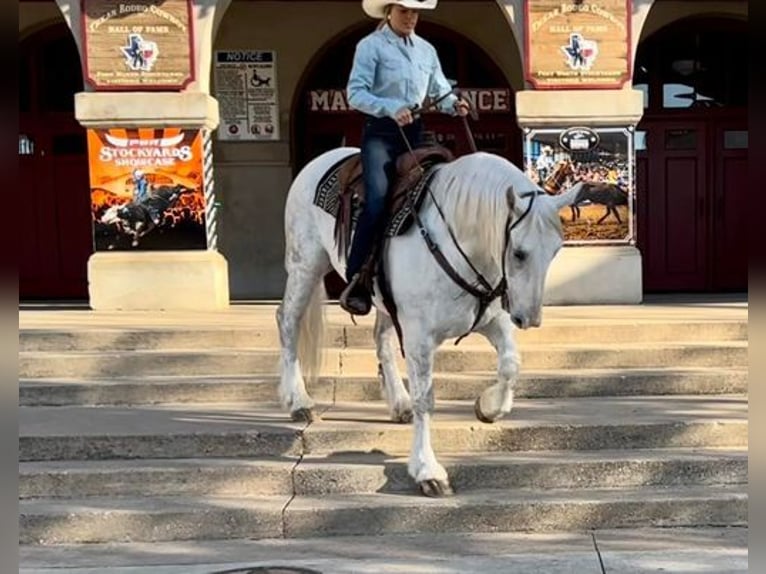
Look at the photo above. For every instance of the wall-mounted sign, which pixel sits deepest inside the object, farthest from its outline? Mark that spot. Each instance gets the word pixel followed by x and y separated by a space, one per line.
pixel 484 100
pixel 577 44
pixel 138 44
pixel 557 159
pixel 147 188
pixel 246 90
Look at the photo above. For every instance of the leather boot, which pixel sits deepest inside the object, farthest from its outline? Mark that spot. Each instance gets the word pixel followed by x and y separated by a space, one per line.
pixel 356 299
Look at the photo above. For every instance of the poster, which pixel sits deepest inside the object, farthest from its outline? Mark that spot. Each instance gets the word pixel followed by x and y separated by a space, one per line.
pixel 556 159
pixel 246 90
pixel 146 189
pixel 138 44
pixel 577 44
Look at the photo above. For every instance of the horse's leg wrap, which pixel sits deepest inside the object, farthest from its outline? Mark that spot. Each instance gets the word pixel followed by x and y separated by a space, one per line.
pixel 399 404
pixel 430 476
pixel 497 401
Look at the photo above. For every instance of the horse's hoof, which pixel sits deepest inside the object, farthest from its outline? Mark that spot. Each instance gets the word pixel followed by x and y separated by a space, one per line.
pixel 304 415
pixel 435 488
pixel 480 415
pixel 404 417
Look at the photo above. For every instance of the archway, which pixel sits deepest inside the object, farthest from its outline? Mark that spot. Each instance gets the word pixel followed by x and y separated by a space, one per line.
pixel 53 169
pixel 691 156
pixel 322 119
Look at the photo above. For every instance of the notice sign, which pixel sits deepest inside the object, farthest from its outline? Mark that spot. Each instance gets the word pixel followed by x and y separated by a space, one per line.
pixel 246 90
pixel 147 188
pixel 138 44
pixel 577 44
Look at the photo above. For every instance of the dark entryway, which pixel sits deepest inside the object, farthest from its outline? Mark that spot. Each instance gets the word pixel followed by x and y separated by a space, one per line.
pixel 53 166
pixel 691 157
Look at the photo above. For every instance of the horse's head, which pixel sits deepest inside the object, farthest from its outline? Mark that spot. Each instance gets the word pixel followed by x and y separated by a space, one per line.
pixel 554 183
pixel 536 237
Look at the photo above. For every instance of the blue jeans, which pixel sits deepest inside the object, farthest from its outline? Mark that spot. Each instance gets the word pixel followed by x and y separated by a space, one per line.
pixel 382 143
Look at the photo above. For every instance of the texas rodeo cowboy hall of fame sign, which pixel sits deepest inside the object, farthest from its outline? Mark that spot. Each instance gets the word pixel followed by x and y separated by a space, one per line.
pixel 138 44
pixel 577 44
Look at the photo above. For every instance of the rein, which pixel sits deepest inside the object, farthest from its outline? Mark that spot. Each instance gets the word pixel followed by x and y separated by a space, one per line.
pixel 484 292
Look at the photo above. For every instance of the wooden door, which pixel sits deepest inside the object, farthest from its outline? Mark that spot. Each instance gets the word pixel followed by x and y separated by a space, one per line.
pixel 674 207
pixel 729 198
pixel 54 187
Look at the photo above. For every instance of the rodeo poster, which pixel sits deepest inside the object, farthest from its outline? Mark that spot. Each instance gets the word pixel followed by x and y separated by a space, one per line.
pixel 147 189
pixel 556 159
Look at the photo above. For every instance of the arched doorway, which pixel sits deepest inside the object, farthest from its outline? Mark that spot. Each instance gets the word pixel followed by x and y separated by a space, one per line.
pixel 691 156
pixel 322 119
pixel 53 168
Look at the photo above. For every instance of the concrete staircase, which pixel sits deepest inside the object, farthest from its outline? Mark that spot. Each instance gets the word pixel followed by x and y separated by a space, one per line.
pixel 145 429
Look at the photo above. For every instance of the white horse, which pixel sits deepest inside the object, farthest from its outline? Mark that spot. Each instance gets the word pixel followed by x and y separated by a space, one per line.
pixel 481 196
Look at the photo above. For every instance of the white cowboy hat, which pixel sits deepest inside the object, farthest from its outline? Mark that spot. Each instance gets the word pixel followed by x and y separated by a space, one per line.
pixel 377 8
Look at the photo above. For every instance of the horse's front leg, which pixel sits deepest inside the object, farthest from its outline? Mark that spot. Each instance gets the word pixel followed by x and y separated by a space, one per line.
pixel 497 400
pixel 399 404
pixel 423 467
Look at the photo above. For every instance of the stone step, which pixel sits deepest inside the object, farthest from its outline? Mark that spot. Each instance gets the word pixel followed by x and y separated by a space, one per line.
pixel 369 472
pixel 462 358
pixel 152 519
pixel 447 386
pixel 348 335
pixel 248 430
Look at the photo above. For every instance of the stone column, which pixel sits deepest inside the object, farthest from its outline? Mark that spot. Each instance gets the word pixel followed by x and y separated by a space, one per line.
pixel 587 274
pixel 156 280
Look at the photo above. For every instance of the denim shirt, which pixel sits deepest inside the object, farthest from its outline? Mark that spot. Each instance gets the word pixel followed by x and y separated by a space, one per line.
pixel 390 72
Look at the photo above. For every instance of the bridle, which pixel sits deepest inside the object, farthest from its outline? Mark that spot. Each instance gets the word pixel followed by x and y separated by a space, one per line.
pixel 481 289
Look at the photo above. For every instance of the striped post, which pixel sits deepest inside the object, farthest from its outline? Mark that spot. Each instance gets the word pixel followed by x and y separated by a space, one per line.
pixel 211 206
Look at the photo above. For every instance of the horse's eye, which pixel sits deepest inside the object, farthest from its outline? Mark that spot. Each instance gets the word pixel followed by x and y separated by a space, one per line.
pixel 519 255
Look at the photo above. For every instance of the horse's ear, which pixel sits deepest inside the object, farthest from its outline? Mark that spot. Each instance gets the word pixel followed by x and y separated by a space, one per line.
pixel 510 196
pixel 568 197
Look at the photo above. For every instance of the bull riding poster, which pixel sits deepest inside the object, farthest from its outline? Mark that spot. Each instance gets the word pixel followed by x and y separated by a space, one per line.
pixel 147 189
pixel 603 211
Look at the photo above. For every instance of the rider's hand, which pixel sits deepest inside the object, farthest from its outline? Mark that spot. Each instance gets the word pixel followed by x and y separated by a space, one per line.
pixel 403 117
pixel 462 107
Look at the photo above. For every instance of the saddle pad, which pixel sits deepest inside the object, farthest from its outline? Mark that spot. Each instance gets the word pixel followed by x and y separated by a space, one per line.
pixel 328 191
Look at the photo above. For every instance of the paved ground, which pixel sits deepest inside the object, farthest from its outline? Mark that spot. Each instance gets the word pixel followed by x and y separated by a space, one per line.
pixel 677 551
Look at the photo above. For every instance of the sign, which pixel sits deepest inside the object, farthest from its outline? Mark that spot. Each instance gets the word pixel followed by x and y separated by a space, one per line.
pixel 484 100
pixel 557 159
pixel 579 139
pixel 138 44
pixel 147 188
pixel 576 45
pixel 246 89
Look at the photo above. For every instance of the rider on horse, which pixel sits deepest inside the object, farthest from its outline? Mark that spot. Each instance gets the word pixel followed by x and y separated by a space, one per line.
pixel 141 194
pixel 393 71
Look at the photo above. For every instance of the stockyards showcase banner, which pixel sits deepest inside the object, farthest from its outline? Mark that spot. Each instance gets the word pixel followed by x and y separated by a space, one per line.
pixel 556 159
pixel 577 44
pixel 138 44
pixel 246 90
pixel 147 189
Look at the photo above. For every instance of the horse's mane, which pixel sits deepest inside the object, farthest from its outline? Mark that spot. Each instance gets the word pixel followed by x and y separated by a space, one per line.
pixel 474 197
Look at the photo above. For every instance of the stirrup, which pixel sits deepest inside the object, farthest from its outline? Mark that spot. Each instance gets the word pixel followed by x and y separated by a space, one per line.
pixel 355 298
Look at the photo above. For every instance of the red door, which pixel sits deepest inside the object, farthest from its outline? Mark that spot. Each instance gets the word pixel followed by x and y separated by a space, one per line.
pixel 55 198
pixel 691 182
pixel 730 187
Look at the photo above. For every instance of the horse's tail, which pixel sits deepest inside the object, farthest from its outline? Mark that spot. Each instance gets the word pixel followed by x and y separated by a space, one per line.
pixel 311 335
